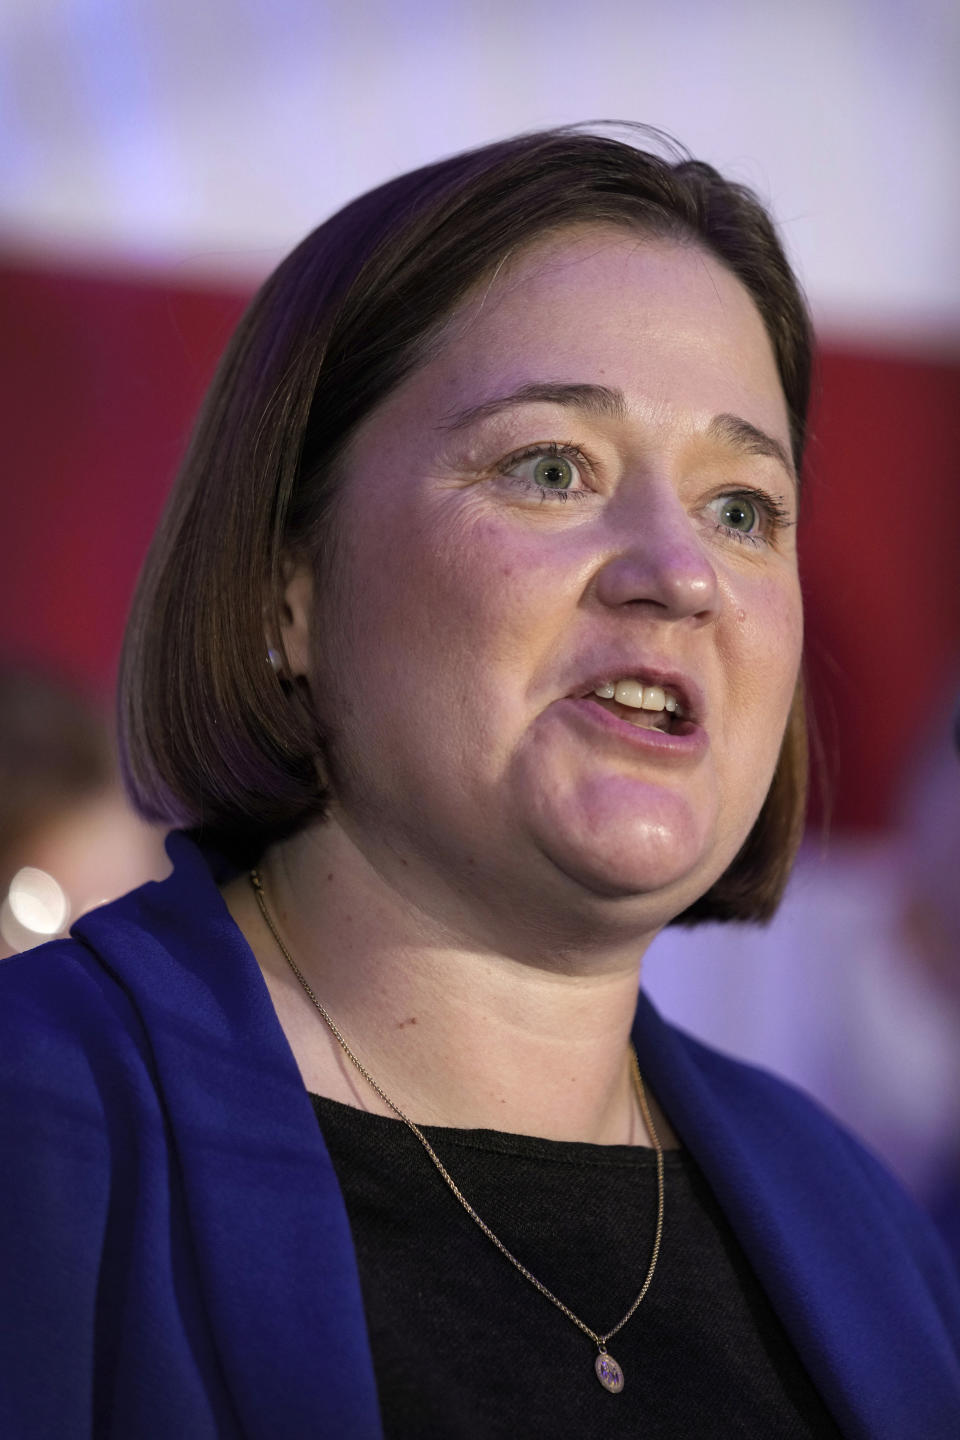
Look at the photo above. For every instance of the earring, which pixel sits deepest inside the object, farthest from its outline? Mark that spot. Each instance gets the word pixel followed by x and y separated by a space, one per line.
pixel 274 659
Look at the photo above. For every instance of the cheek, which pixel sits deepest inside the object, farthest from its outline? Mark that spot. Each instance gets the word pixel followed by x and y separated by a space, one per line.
pixel 763 653
pixel 449 623
pixel 456 587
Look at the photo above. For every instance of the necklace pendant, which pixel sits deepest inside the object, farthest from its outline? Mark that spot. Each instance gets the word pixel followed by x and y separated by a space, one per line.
pixel 608 1373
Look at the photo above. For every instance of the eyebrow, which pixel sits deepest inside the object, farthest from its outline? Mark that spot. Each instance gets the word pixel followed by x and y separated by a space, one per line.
pixel 608 403
pixel 740 435
pixel 593 399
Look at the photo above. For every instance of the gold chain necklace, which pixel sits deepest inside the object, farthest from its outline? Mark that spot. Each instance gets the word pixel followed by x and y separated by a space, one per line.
pixel 608 1372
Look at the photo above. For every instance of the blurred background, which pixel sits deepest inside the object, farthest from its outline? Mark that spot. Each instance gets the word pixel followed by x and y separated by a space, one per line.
pixel 157 157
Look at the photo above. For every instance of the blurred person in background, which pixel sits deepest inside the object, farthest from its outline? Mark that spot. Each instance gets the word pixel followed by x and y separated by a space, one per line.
pixel 466 659
pixel 69 839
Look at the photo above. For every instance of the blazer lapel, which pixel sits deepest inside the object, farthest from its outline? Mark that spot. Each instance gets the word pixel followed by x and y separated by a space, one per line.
pixel 271 1235
pixel 844 1257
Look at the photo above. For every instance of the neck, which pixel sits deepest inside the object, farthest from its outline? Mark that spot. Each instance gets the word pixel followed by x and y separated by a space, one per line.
pixel 455 1030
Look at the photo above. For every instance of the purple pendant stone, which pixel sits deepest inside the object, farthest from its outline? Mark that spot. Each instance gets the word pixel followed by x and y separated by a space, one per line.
pixel 608 1373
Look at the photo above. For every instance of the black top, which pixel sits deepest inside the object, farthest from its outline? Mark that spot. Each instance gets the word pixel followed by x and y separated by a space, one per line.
pixel 464 1348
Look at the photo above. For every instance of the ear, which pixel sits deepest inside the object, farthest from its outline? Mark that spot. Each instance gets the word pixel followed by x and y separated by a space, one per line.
pixel 296 611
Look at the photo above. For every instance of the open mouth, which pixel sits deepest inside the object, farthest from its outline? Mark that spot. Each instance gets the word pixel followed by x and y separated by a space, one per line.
pixel 644 705
pixel 663 720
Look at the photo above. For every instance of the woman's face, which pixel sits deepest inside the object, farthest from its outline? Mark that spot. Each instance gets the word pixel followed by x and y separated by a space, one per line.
pixel 587 484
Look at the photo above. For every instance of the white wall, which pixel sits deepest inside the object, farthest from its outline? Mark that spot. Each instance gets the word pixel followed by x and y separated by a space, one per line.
pixel 214 133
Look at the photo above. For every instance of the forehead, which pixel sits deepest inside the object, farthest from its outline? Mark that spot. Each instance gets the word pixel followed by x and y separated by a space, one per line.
pixel 663 320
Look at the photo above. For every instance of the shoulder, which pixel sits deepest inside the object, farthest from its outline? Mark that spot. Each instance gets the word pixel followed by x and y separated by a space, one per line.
pixel 77 1014
pixel 724 1087
pixel 767 1098
pixel 78 1098
pixel 144 1022
pixel 790 1126
pixel 56 1000
pixel 78 1107
pixel 808 1200
pixel 95 1250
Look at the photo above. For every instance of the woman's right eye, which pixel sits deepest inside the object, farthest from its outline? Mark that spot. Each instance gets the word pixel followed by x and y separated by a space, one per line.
pixel 551 469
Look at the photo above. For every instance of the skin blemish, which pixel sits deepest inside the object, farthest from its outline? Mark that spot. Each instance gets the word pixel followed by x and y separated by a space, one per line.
pixel 741 616
pixel 402 1024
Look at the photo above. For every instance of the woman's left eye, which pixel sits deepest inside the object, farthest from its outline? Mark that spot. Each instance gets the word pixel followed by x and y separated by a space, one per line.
pixel 736 512
pixel 746 516
pixel 551 469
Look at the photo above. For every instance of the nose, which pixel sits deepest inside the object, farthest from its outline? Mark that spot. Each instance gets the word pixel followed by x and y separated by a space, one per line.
pixel 659 559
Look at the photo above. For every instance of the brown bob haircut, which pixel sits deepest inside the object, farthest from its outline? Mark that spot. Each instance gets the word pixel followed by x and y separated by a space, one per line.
pixel 211 739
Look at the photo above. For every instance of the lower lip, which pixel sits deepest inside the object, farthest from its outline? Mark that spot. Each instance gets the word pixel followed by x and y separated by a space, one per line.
pixel 687 746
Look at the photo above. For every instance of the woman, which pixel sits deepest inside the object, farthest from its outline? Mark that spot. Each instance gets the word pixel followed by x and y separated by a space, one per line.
pixel 500 473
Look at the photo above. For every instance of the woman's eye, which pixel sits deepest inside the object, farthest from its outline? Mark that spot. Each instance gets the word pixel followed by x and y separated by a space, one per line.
pixel 738 513
pixel 546 469
pixel 554 472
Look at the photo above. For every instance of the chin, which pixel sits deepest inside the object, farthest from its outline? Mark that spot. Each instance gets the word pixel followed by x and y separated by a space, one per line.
pixel 653 837
pixel 665 855
pixel 622 877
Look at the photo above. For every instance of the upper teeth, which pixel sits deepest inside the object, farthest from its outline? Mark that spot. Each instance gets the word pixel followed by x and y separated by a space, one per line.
pixel 639 697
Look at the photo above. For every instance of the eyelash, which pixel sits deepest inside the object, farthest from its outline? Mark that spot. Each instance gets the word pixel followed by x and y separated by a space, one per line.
pixel 554 449
pixel 774 512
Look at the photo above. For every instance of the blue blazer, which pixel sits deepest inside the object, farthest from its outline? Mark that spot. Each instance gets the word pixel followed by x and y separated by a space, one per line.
pixel 175 1255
